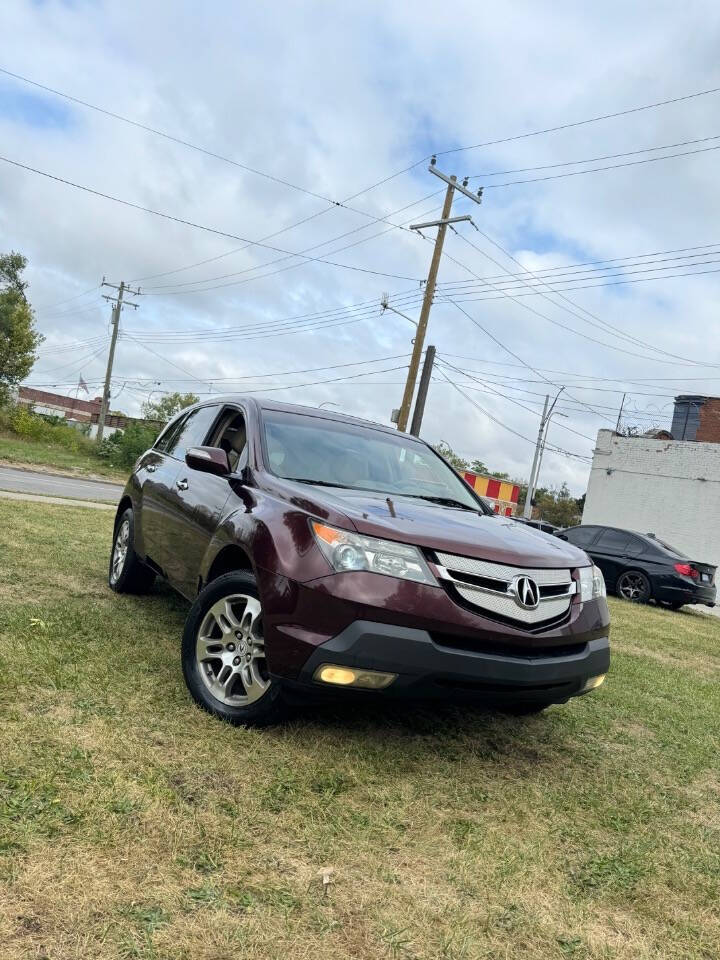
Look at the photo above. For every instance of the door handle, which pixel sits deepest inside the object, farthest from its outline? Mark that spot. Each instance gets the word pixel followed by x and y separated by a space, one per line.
pixel 181 484
pixel 151 468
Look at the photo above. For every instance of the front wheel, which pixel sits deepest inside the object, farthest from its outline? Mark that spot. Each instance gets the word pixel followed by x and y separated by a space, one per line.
pixel 223 653
pixel 633 585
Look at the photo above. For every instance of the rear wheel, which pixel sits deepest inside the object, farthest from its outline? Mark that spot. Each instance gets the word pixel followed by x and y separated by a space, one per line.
pixel 127 573
pixel 634 586
pixel 223 653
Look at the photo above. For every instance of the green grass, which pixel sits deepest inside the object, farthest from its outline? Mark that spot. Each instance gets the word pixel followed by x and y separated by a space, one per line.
pixel 134 826
pixel 26 452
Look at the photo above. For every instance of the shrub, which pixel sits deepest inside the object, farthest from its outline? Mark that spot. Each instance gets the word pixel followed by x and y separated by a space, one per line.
pixel 123 447
pixel 20 420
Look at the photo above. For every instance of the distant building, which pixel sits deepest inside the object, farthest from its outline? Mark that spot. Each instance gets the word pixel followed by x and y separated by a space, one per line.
pixel 503 494
pixel 696 418
pixel 79 413
pixel 668 487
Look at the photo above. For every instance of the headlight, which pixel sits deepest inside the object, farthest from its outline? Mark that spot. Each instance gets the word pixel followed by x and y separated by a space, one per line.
pixel 592 584
pixel 347 551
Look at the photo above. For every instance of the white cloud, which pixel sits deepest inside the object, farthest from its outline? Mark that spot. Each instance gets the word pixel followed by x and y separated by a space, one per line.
pixel 334 98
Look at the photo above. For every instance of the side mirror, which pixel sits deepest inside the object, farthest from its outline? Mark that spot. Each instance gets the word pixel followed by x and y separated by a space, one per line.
pixel 208 460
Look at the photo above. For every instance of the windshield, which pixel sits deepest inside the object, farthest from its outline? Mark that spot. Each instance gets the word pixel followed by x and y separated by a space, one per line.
pixel 333 453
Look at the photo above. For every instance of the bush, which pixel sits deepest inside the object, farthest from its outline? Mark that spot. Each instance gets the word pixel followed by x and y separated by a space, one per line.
pixel 21 421
pixel 123 447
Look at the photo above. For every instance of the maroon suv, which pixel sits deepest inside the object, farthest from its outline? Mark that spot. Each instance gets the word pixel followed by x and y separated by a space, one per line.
pixel 324 553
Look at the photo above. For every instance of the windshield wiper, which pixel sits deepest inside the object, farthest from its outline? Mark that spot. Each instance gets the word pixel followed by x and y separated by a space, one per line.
pixel 320 483
pixel 443 501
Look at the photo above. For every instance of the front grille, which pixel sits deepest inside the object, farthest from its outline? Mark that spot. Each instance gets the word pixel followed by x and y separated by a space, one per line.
pixel 493 589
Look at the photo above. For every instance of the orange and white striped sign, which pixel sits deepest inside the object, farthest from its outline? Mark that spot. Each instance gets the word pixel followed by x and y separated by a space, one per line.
pixel 503 493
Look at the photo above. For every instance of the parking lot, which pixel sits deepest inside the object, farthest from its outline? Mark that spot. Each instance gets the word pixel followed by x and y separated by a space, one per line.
pixel 133 825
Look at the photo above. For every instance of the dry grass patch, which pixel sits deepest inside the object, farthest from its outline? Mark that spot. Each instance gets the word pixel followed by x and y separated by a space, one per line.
pixel 134 826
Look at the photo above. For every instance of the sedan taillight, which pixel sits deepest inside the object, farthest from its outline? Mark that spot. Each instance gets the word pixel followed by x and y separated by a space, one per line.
pixel 686 570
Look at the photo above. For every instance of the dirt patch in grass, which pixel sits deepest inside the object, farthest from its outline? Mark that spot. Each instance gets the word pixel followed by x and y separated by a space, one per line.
pixel 134 826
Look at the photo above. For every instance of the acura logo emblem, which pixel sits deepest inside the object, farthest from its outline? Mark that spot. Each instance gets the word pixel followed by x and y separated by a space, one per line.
pixel 527 592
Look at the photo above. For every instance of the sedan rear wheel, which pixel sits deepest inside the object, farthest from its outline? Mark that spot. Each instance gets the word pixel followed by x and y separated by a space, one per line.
pixel 633 585
pixel 223 653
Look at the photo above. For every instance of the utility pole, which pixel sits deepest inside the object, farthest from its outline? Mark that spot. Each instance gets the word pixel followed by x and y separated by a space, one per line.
pixel 622 404
pixel 117 310
pixel 539 448
pixel 442 225
pixel 423 391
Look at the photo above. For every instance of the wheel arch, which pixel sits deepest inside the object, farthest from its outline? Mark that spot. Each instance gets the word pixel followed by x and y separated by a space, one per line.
pixel 229 558
pixel 125 503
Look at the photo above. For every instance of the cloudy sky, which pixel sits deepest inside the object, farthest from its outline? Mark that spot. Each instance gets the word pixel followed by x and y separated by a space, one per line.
pixel 298 106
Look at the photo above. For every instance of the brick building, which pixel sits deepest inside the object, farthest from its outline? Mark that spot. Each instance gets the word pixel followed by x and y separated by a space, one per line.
pixel 696 418
pixel 77 412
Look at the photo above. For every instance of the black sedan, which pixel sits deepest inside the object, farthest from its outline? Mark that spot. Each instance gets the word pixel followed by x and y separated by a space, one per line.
pixel 639 567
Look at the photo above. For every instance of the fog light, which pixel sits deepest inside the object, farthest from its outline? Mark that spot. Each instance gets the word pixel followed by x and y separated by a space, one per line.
pixel 593 683
pixel 353 677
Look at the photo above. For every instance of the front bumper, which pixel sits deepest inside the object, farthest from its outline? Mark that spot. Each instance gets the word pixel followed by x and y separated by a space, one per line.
pixel 427 669
pixel 437 647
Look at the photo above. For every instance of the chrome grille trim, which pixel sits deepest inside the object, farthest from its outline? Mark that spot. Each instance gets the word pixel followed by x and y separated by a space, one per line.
pixel 501 600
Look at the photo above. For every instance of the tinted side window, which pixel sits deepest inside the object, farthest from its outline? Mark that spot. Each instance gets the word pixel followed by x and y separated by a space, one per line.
pixel 614 541
pixel 635 546
pixel 168 435
pixel 581 536
pixel 192 431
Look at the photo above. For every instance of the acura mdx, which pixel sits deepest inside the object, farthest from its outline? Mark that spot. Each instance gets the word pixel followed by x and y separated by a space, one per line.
pixel 324 554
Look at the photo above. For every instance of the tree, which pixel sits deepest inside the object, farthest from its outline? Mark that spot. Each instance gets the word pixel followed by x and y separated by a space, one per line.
pixel 454 459
pixel 19 339
pixel 166 408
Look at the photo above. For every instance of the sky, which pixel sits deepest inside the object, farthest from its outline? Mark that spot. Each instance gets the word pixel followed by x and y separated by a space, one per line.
pixel 278 120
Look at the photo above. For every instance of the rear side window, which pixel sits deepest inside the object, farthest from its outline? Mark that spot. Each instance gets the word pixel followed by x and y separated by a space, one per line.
pixel 581 536
pixel 168 435
pixel 614 541
pixel 191 431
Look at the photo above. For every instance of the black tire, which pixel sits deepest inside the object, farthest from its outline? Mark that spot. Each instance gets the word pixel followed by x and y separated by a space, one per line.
pixel 634 586
pixel 223 657
pixel 131 576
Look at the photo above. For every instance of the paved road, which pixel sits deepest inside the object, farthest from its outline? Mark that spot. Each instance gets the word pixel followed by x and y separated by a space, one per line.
pixel 27 481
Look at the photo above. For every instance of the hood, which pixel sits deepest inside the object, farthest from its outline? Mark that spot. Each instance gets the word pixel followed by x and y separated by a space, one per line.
pixel 448 529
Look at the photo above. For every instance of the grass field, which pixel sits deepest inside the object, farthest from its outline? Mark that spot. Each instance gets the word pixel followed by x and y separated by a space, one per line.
pixel 25 452
pixel 134 826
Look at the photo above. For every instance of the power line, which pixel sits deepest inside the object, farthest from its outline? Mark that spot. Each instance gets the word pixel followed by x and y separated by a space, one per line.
pixel 544 316
pixel 522 436
pixel 580 123
pixel 601 323
pixel 512 399
pixel 608 156
pixel 612 166
pixel 161 289
pixel 197 226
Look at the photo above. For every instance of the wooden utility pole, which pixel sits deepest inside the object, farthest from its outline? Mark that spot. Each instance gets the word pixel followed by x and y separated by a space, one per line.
pixel 423 391
pixel 442 225
pixel 117 309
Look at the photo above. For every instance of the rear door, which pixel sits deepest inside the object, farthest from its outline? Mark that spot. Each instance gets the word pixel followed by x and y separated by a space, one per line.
pixel 164 520
pixel 156 473
pixel 200 497
pixel 610 553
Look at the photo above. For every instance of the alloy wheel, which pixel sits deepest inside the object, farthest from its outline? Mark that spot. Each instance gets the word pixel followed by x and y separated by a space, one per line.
pixel 632 586
pixel 230 651
pixel 120 550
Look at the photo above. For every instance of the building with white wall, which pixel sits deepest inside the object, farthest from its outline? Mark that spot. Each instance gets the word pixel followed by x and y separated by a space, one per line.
pixel 667 487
